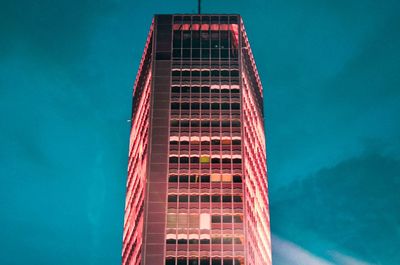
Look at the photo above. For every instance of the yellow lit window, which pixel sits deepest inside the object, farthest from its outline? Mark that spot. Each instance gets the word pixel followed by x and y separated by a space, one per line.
pixel 204 159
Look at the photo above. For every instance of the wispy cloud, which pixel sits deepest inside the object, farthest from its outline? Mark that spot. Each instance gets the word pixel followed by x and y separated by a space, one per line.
pixel 286 252
pixel 347 260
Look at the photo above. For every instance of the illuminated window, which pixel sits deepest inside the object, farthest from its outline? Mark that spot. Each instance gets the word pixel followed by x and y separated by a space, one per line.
pixel 204 159
pixel 183 221
pixel 226 177
pixel 215 177
pixel 226 141
pixel 171 220
pixel 205 221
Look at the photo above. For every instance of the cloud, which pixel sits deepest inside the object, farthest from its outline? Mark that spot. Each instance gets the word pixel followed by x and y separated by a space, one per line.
pixel 346 260
pixel 285 252
pixel 349 208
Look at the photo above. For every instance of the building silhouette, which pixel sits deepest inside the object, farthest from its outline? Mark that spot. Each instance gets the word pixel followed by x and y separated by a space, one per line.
pixel 197 191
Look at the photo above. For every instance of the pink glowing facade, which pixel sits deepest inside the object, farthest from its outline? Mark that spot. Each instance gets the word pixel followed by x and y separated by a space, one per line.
pixel 197 189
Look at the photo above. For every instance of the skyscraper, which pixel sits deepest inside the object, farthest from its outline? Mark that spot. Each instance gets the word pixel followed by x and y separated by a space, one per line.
pixel 197 191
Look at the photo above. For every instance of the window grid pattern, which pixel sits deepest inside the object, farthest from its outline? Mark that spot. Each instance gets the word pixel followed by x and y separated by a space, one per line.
pixel 205 204
pixel 137 165
pixel 255 171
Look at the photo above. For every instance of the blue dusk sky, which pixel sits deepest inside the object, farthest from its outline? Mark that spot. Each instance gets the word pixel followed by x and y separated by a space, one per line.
pixel 330 70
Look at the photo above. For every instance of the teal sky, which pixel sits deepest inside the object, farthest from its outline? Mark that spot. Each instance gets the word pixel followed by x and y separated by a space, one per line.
pixel 330 70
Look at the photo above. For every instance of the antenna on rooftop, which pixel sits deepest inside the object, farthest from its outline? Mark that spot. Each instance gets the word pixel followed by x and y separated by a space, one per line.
pixel 199 6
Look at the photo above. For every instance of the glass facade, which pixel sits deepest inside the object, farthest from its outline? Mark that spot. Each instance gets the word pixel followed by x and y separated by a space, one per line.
pixel 199 190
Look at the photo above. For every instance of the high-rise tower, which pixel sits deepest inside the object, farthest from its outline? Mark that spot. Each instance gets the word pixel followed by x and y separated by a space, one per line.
pixel 197 190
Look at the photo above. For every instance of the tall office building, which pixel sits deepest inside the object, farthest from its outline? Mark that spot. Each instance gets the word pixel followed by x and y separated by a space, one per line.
pixel 197 190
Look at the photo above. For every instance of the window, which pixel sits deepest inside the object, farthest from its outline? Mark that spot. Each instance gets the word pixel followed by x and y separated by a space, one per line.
pixel 237 199
pixel 183 178
pixel 216 261
pixel 172 198
pixel 236 142
pixel 170 261
pixel 216 240
pixel 226 161
pixel 171 220
pixel 181 261
pixel 204 159
pixel 195 89
pixel 226 177
pixel 237 219
pixel 205 105
pixel 235 106
pixel 226 141
pixel 183 221
pixel 227 219
pixel 216 219
pixel 237 179
pixel 173 159
pixel 204 261
pixel 205 221
pixel 216 198
pixel 227 240
pixel 215 123
pixel 173 178
pixel 228 261
pixel 226 198
pixel 193 261
pixel 237 161
pixel 205 178
pixel 194 178
pixel 225 124
pixel 183 198
pixel 194 198
pixel 205 198
pixel 215 160
pixel 235 123
pixel 215 177
pixel 194 159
